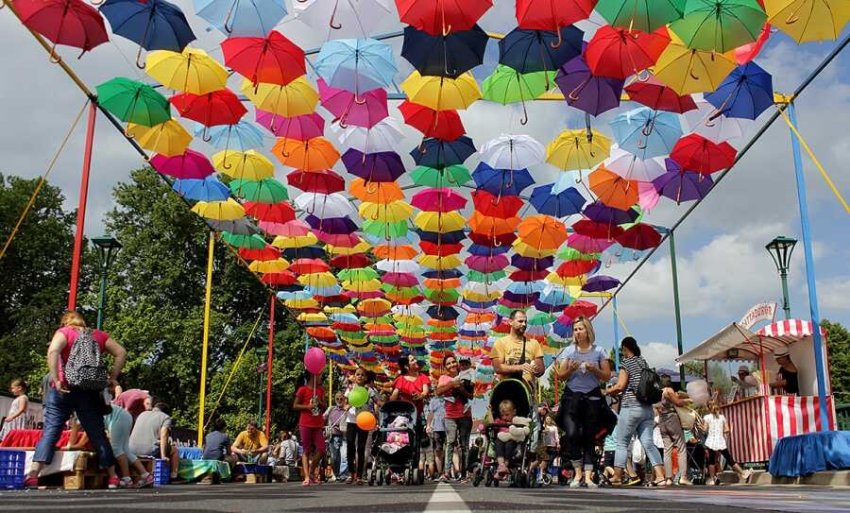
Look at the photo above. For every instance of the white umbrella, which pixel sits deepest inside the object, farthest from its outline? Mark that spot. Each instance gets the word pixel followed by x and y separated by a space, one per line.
pixel 398 266
pixel 410 310
pixel 384 136
pixel 720 129
pixel 630 167
pixel 344 18
pixel 512 152
pixel 325 206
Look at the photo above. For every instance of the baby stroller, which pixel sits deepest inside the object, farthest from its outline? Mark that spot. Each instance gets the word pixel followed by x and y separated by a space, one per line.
pixel 517 392
pixel 396 445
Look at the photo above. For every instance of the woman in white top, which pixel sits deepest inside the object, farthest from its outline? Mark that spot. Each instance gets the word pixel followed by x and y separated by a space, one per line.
pixel 717 444
pixel 16 417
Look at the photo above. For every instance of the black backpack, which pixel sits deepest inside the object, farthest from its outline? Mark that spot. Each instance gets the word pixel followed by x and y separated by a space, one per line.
pixel 84 369
pixel 649 389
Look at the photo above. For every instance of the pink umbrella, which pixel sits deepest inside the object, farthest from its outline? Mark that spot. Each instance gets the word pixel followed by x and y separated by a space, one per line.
pixel 289 229
pixel 295 127
pixel 586 244
pixel 438 200
pixel 648 195
pixel 343 240
pixel 487 264
pixel 363 295
pixel 365 110
pixel 400 279
pixel 191 164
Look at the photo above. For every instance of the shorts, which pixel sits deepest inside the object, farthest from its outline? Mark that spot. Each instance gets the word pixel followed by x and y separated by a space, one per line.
pixel 551 453
pixel 156 453
pixel 608 459
pixel 312 439
pixel 438 440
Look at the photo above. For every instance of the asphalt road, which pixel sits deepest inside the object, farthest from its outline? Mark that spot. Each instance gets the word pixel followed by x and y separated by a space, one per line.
pixel 444 498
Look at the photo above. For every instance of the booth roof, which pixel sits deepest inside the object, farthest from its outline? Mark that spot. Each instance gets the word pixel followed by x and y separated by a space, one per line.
pixel 733 342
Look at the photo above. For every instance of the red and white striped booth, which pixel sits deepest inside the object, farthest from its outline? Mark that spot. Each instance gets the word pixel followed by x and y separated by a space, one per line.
pixel 757 423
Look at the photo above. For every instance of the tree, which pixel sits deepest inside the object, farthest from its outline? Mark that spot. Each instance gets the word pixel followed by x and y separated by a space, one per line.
pixel 839 359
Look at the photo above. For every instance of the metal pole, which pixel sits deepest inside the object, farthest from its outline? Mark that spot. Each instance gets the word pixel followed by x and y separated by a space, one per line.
pixel 260 393
pixel 676 307
pixel 810 273
pixel 81 209
pixel 104 268
pixel 616 336
pixel 206 339
pixel 269 367
pixel 786 304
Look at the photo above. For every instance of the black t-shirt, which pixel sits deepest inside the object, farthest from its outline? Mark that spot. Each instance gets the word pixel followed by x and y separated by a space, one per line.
pixel 792 386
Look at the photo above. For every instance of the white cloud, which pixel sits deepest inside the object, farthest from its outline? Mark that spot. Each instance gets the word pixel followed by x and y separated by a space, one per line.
pixel 659 354
pixel 834 294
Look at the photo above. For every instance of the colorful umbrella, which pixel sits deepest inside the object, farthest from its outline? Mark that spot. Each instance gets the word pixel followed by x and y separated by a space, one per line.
pixel 168 138
pixel 646 133
pixel 356 65
pixel 542 232
pixel 247 165
pixel 242 136
pixel 278 213
pixel 451 176
pixel 152 24
pixel 639 237
pixel 445 125
pixel 696 153
pixel 506 85
pixel 619 52
pixel 530 51
pixel 374 167
pixel 656 95
pixel 612 189
pixel 242 17
pixel 439 154
pixel 719 25
pixel 313 154
pixel 587 92
pixel 688 70
pixel 386 213
pixel 205 189
pixel 133 102
pixel 596 230
pixel 324 181
pixel 190 164
pixel 441 93
pixel 681 185
pixel 562 204
pixel 512 152
pixel 228 210
pixel 550 14
pixel 578 149
pixel 446 56
pixel 267 190
pixel 438 200
pixel 376 192
pixel 272 59
pixel 602 213
pixel 325 206
pixel 631 167
pixel 645 15
pixel 296 98
pixel 64 22
pixel 439 222
pixel 441 17
pixel 301 127
pixel 190 71
pixel 745 93
pixel 808 20
pixel 500 182
pixel 344 17
pixel 365 110
pixel 220 107
pixel 581 308
pixel 383 136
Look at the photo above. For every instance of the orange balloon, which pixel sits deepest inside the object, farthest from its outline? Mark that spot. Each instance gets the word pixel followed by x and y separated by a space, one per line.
pixel 366 421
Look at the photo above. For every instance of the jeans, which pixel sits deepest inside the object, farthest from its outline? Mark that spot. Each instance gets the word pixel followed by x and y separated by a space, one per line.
pixel 57 410
pixel 335 454
pixel 636 419
pixel 457 435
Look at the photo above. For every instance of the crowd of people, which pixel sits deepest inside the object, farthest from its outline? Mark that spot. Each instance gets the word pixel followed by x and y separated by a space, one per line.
pixel 608 428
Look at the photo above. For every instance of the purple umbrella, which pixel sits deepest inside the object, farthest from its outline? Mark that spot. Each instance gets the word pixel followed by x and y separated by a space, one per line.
pixel 531 264
pixel 681 185
pixel 191 164
pixel 487 264
pixel 332 225
pixel 602 213
pixel 295 127
pixel 587 92
pixel 384 166
pixel 586 244
pixel 600 283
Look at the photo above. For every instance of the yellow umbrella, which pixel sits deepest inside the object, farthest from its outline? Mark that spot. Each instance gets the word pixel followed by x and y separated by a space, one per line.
pixel 440 263
pixel 479 297
pixel 301 304
pixel 389 213
pixel 243 165
pixel 362 286
pixel 439 222
pixel 169 138
pixel 228 210
pixel 689 71
pixel 190 71
pixel 339 309
pixel 408 320
pixel 529 251
pixel 360 247
pixel 312 317
pixel 293 99
pixel 570 282
pixel 269 266
pixel 441 93
pixel 317 280
pixel 809 20
pixel 300 241
pixel 575 150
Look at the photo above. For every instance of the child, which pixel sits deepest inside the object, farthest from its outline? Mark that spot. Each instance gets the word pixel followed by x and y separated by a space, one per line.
pixel 16 417
pixel 551 440
pixel 504 449
pixel 309 400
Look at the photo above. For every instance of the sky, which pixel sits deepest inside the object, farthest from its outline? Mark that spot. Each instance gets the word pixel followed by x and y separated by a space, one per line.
pixel 723 266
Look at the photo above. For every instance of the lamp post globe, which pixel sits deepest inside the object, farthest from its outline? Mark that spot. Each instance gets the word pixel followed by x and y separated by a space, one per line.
pixel 780 249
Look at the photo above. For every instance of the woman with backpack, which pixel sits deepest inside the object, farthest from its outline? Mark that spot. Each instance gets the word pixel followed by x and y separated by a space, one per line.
pixel 77 378
pixel 640 389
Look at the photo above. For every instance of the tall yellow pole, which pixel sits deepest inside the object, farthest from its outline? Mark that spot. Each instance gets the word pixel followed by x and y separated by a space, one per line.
pixel 208 300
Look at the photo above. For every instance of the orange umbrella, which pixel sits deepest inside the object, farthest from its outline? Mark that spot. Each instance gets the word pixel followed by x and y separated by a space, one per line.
pixel 435 284
pixel 612 189
pixel 480 223
pixel 478 318
pixel 405 252
pixel 542 231
pixel 374 307
pixel 376 192
pixel 314 154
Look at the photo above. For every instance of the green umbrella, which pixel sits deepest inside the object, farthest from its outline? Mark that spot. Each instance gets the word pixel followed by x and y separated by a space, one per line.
pixel 480 277
pixel 267 190
pixel 133 102
pixel 542 319
pixel 386 230
pixel 506 85
pixel 719 25
pixel 243 241
pixel 569 253
pixel 442 296
pixel 359 274
pixel 451 176
pixel 646 15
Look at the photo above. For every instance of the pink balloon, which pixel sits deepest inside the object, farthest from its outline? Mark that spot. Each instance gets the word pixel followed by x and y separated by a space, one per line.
pixel 315 360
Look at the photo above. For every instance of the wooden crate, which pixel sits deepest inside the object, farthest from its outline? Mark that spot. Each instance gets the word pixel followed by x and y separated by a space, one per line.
pixel 86 475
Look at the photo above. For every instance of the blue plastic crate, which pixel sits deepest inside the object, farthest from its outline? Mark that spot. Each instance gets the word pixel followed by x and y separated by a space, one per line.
pixel 12 472
pixel 254 468
pixel 161 472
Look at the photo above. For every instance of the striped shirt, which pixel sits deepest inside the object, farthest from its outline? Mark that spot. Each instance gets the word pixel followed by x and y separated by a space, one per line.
pixel 633 367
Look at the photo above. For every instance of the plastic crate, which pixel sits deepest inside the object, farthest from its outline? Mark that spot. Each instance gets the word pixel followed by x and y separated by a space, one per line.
pixel 12 472
pixel 161 472
pixel 255 468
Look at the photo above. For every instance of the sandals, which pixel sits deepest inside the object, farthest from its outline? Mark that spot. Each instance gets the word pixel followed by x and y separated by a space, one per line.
pixel 306 482
pixel 662 482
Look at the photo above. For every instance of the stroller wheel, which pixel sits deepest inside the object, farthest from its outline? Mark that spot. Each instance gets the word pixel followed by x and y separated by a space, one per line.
pixel 380 478
pixel 488 478
pixel 407 477
pixel 476 477
pixel 547 480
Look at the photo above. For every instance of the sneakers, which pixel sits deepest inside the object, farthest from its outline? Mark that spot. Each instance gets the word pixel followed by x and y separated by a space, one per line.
pixel 683 481
pixel 591 485
pixel 633 481
pixel 575 483
pixel 31 482
pixel 745 477
pixel 113 483
pixel 145 481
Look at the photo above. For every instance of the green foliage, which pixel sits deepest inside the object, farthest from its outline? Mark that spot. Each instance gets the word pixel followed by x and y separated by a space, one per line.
pixel 839 359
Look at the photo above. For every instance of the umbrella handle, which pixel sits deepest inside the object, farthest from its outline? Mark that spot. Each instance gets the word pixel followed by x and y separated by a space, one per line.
pixel 557 44
pixel 93 2
pixel 227 19
pixel 524 120
pixel 358 100
pixel 333 16
pixel 140 65
pixel 447 30
pixel 54 57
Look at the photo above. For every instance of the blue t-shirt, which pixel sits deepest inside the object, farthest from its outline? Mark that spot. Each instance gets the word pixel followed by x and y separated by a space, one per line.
pixel 437 407
pixel 581 381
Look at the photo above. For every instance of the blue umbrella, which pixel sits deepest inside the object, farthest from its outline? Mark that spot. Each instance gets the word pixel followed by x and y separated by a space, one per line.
pixel 445 274
pixel 647 133
pixel 529 51
pixel 305 252
pixel 562 204
pixel 242 17
pixel 356 65
pixel 441 238
pixel 555 297
pixel 479 250
pixel 444 56
pixel 439 154
pixel 479 305
pixel 208 189
pixel 525 287
pixel 242 136
pixel 745 93
pixel 152 24
pixel 504 182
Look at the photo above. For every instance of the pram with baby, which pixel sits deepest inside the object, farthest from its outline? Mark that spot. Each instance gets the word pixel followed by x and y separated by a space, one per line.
pixel 395 446
pixel 517 431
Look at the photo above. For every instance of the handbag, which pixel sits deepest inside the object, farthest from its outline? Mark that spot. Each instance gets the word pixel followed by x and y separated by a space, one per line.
pixel 687 417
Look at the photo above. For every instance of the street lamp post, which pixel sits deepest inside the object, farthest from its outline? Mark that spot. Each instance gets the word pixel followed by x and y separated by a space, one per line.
pixel 107 248
pixel 780 250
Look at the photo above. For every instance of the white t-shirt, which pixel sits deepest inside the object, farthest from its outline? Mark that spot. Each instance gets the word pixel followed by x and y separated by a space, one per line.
pixel 715 439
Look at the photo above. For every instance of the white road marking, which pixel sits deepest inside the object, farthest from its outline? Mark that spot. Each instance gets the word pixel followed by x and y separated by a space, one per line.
pixel 443 495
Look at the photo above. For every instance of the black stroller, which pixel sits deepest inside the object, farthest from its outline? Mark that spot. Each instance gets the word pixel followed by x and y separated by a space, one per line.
pixel 392 459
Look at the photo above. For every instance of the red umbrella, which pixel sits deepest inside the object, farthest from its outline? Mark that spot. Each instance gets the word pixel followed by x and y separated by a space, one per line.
pixel 444 125
pixel 495 206
pixel 400 279
pixel 438 200
pixel 279 279
pixel 488 239
pixel 639 237
pixel 658 96
pixel 270 212
pixel 618 52
pixel 596 230
pixel 325 181
pixel 354 261
pixel 441 17
pixel 429 248
pixel 528 275
pixel 220 107
pixel 64 22
pixel 265 254
pixel 573 268
pixel 551 15
pixel 302 127
pixel 308 266
pixel 696 153
pixel 273 59
pixel 343 240
pixel 581 308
